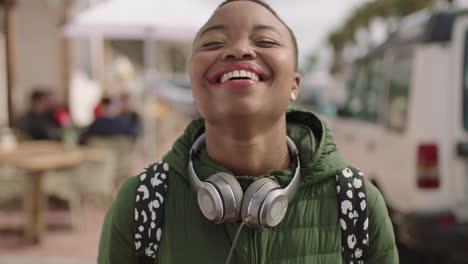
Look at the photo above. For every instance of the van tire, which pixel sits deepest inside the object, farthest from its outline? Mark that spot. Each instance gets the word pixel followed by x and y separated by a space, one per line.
pixel 406 255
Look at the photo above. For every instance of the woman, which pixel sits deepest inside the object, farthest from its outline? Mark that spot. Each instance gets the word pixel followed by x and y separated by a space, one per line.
pixel 243 71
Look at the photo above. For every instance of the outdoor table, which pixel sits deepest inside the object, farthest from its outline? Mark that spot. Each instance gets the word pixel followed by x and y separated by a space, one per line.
pixel 38 157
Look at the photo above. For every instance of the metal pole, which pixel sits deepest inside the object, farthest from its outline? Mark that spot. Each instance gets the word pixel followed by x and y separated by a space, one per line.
pixel 150 79
pixel 10 32
pixel 67 45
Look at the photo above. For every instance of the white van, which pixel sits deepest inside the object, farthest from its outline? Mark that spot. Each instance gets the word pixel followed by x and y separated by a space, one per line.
pixel 405 124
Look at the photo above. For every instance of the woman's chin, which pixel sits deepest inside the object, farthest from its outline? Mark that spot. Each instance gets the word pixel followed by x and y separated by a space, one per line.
pixel 249 115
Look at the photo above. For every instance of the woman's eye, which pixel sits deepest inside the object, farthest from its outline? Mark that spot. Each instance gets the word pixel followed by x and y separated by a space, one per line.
pixel 267 43
pixel 211 44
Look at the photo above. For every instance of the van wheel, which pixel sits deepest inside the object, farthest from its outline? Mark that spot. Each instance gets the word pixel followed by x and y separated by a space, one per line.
pixel 409 256
pixel 406 255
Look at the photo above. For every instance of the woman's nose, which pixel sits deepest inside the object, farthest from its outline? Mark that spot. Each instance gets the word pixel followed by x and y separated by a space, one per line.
pixel 240 50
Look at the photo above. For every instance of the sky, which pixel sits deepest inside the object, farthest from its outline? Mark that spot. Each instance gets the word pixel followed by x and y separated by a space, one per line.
pixel 313 20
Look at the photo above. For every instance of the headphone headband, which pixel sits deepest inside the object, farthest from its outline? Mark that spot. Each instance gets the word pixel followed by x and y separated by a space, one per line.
pixel 290 190
pixel 221 198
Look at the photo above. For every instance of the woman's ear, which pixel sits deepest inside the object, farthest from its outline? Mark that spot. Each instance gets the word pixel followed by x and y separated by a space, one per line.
pixel 295 87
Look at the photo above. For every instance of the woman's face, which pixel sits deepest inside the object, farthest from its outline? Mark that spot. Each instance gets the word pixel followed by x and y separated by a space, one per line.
pixel 243 63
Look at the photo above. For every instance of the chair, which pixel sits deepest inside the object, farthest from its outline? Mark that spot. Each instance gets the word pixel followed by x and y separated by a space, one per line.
pixel 96 180
pixel 13 184
pixel 13 189
pixel 63 185
pixel 93 179
pixel 123 148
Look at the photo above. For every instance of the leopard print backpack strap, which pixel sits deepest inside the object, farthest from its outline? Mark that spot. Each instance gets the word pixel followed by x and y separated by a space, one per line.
pixel 149 210
pixel 353 215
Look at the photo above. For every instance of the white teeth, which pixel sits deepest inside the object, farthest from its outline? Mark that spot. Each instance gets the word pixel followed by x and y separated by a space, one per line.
pixel 253 76
pixel 236 74
pixel 224 78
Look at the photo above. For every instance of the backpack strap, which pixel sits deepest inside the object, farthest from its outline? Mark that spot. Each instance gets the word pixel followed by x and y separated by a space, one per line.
pixel 353 215
pixel 149 210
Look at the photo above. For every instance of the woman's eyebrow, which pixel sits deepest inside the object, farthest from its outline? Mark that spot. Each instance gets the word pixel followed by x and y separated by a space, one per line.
pixel 215 27
pixel 256 28
pixel 266 27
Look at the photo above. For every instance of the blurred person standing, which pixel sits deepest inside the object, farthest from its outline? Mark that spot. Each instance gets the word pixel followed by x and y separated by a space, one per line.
pixel 110 122
pixel 37 123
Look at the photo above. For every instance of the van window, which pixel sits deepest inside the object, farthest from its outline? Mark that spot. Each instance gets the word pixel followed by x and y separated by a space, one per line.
pixel 373 94
pixel 398 91
pixel 358 87
pixel 465 84
pixel 363 100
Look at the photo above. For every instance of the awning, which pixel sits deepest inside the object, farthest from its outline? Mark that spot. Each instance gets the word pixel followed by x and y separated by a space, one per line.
pixel 141 19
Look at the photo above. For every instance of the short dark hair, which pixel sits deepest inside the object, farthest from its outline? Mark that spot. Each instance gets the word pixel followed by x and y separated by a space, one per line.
pixel 296 49
pixel 106 101
pixel 38 94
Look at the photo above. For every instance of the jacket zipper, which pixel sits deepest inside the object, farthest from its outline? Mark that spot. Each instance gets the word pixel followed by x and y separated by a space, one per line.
pixel 254 247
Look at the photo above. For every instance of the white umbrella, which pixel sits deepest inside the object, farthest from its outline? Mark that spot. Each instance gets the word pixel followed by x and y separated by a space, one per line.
pixel 139 19
pixel 148 20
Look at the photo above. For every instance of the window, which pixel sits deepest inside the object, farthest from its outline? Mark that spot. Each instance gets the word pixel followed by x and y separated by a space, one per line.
pixel 465 83
pixel 373 93
pixel 364 95
pixel 359 85
pixel 398 91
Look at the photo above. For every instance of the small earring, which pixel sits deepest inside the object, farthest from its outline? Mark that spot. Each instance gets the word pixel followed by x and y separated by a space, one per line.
pixel 293 96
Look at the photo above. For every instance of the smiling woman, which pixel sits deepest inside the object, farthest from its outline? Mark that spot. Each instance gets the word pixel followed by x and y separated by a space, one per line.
pixel 250 162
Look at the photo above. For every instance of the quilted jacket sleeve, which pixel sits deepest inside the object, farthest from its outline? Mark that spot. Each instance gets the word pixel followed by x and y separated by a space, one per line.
pixel 116 245
pixel 382 248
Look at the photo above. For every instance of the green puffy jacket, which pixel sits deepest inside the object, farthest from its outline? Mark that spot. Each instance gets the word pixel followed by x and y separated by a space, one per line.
pixel 310 232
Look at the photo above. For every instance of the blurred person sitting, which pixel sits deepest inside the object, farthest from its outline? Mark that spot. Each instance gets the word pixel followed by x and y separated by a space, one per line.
pixel 129 113
pixel 36 122
pixel 58 112
pixel 97 110
pixel 110 123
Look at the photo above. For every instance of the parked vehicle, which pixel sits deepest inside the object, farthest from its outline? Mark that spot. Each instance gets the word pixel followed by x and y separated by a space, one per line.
pixel 405 124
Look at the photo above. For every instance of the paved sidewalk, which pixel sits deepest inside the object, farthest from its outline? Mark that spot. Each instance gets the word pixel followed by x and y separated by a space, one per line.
pixel 61 245
pixel 35 260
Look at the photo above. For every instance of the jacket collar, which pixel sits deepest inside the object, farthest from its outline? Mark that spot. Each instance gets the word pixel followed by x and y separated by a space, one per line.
pixel 318 153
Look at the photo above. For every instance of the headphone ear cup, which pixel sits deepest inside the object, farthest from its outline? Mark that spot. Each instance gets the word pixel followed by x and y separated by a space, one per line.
pixel 273 209
pixel 230 192
pixel 254 198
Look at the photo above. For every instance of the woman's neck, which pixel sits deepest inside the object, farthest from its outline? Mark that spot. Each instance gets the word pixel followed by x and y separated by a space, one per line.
pixel 248 148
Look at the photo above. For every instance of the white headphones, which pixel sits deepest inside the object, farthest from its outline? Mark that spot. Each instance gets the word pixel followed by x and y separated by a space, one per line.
pixel 263 205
